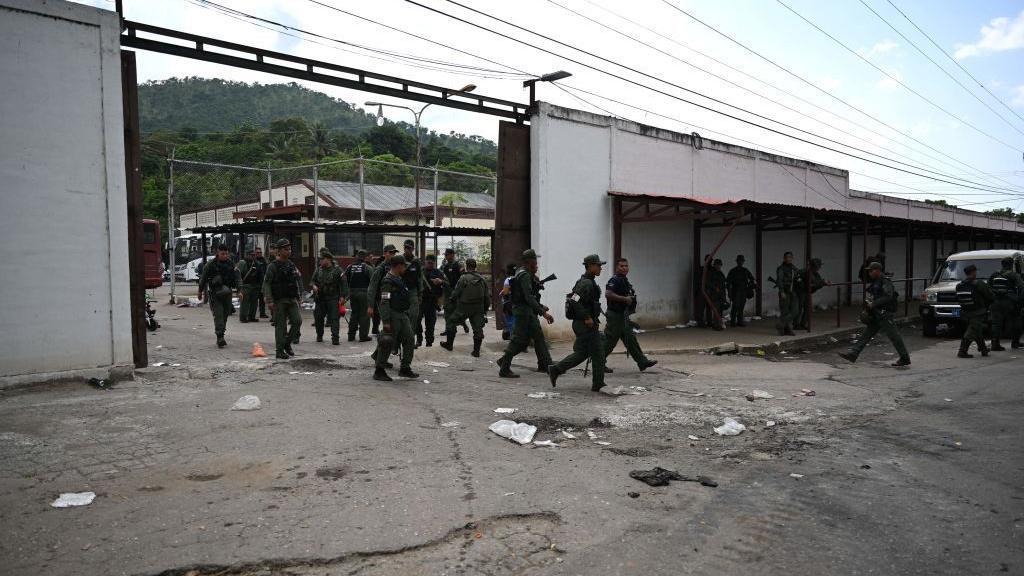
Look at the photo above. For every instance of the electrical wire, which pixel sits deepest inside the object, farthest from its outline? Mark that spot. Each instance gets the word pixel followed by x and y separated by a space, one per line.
pixel 823 91
pixel 944 71
pixel 897 80
pixel 954 60
pixel 972 185
pixel 760 95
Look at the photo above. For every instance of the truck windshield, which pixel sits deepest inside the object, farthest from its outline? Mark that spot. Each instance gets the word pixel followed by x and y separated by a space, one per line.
pixel 953 270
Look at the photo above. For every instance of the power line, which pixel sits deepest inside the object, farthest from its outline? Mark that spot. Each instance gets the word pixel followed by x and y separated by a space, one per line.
pixel 897 80
pixel 954 60
pixel 827 93
pixel 973 185
pixel 767 98
pixel 944 71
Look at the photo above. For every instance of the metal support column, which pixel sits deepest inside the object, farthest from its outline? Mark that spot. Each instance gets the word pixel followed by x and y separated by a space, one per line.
pixel 758 262
pixel 170 224
pixel 362 193
pixel 316 210
pixel 909 268
pixel 849 266
pixel 808 247
pixel 437 224
pixel 616 230
pixel 698 269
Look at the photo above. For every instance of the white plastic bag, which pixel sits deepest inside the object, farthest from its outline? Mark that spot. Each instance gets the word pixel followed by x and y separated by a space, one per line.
pixel 69 499
pixel 730 427
pixel 520 432
pixel 247 402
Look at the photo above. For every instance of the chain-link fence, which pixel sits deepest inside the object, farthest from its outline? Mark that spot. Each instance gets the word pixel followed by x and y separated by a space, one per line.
pixel 206 194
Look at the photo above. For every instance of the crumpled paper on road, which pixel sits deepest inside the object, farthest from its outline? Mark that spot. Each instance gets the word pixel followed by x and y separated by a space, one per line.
pixel 520 432
pixel 730 427
pixel 69 499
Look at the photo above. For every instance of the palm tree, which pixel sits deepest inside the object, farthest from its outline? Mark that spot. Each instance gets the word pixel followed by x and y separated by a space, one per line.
pixel 282 148
pixel 320 139
pixel 451 201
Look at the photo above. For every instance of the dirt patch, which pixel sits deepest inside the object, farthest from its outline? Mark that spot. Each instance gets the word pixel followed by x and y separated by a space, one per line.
pixel 317 364
pixel 202 477
pixel 512 544
pixel 634 452
pixel 332 472
pixel 554 423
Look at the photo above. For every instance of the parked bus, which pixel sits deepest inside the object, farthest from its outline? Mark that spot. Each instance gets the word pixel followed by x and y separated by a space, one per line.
pixel 153 263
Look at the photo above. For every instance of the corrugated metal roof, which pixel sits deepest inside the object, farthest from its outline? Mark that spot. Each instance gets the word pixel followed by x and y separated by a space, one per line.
pixel 390 198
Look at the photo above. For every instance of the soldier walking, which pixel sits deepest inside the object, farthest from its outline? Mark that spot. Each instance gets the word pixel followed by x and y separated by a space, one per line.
pixel 812 275
pixel 974 297
pixel 1006 287
pixel 621 304
pixel 785 281
pixel 452 270
pixel 879 306
pixel 373 295
pixel 251 283
pixel 437 285
pixel 282 285
pixel 526 307
pixel 358 276
pixel 583 307
pixel 329 285
pixel 716 289
pixel 261 269
pixel 417 285
pixel 396 325
pixel 220 279
pixel 469 298
pixel 375 264
pixel 740 285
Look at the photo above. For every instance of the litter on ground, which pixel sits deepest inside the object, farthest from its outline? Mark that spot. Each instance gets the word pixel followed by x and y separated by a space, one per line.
pixel 247 402
pixel 759 395
pixel 451 424
pixel 545 443
pixel 730 427
pixel 520 432
pixel 602 443
pixel 797 476
pixel 504 410
pixel 568 435
pixel 639 388
pixel 437 364
pixel 101 383
pixel 769 423
pixel 69 499
pixel 591 435
pixel 805 392
pixel 661 477
pixel 948 399
pixel 543 394
pixel 426 381
pixel 618 391
pixel 692 437
pixel 158 364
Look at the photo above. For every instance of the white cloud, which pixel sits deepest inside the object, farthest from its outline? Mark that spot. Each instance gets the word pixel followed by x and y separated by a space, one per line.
pixel 879 48
pixel 1018 97
pixel 999 35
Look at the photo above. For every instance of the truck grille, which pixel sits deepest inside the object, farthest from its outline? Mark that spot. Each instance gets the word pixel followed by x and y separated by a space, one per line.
pixel 948 297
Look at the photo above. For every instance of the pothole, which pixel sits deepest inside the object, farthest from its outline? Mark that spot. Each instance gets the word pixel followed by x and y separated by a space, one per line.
pixel 509 544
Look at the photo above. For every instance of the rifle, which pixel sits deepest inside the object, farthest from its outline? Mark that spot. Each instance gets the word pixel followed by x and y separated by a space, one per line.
pixel 549 278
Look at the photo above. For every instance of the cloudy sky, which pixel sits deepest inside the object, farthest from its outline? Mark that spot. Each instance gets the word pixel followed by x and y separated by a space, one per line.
pixel 914 109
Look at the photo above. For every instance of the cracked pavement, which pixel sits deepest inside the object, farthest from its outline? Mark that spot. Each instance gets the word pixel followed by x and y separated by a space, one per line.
pixel 338 474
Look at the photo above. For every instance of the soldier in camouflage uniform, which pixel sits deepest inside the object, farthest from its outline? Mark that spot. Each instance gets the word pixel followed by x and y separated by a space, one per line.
pixel 396 325
pixel 373 293
pixel 974 297
pixel 585 304
pixel 417 285
pixel 785 281
pixel 526 307
pixel 452 270
pixel 282 285
pixel 1006 286
pixel 329 285
pixel 817 283
pixel 621 304
pixel 740 285
pixel 249 272
pixel 716 289
pixel 470 298
pixel 358 275
pixel 219 280
pixel 879 306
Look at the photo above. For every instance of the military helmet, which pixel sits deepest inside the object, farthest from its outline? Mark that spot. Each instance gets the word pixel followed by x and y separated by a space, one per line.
pixel 593 259
pixel 390 248
pixel 360 253
pixel 530 254
pixel 874 266
pixel 398 260
pixel 283 243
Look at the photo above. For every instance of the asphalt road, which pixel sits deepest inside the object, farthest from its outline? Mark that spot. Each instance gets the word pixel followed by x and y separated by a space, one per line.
pixel 901 471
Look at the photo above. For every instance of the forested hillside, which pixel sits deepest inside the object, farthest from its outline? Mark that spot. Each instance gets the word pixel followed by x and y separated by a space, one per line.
pixel 280 125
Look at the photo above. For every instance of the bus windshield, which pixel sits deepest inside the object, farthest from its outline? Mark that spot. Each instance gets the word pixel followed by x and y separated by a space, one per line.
pixel 953 270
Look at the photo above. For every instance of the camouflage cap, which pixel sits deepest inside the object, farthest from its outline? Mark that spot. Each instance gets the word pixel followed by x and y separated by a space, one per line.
pixel 593 259
pixel 283 243
pixel 530 254
pixel 390 248
pixel 360 253
pixel 409 243
pixel 397 260
pixel 874 266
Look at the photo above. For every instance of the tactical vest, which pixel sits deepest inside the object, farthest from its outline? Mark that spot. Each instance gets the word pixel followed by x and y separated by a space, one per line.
pixel 965 295
pixel 358 276
pixel 399 297
pixel 412 275
pixel 252 274
pixel 225 271
pixel 1002 286
pixel 518 298
pixel 475 289
pixel 286 281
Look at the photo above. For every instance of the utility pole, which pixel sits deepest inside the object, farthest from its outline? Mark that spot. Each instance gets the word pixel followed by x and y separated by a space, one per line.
pixel 170 224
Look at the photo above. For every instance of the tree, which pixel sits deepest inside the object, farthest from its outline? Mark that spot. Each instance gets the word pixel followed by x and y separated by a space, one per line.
pixel 451 201
pixel 1002 212
pixel 937 202
pixel 320 140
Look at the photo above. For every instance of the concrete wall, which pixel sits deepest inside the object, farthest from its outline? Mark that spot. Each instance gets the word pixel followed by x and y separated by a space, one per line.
pixel 64 217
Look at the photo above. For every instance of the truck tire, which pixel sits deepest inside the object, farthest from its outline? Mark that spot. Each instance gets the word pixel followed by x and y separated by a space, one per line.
pixel 928 328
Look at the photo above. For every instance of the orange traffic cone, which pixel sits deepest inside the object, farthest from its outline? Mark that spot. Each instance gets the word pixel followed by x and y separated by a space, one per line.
pixel 257 351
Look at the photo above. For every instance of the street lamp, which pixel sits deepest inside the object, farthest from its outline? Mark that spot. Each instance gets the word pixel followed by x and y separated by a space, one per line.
pixel 552 77
pixel 417 115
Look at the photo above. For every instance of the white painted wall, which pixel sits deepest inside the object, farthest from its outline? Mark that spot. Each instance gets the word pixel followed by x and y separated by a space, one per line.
pixel 65 277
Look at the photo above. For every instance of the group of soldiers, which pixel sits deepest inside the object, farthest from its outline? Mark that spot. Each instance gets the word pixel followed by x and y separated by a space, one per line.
pixel 999 300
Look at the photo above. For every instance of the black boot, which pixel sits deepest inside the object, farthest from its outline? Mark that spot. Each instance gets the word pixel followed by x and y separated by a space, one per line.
pixel 336 340
pixel 850 357
pixel 553 375
pixel 997 346
pixel 281 355
pixel 465 328
pixel 220 342
pixel 505 369
pixel 408 373
pixel 982 348
pixel 647 364
pixel 962 353
pixel 902 362
pixel 476 347
pixel 608 370
pixel 449 341
pixel 419 340
pixel 320 337
pixel 351 337
pixel 288 350
pixel 380 374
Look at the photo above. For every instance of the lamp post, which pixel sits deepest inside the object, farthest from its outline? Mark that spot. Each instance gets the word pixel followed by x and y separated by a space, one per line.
pixel 417 115
pixel 552 77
